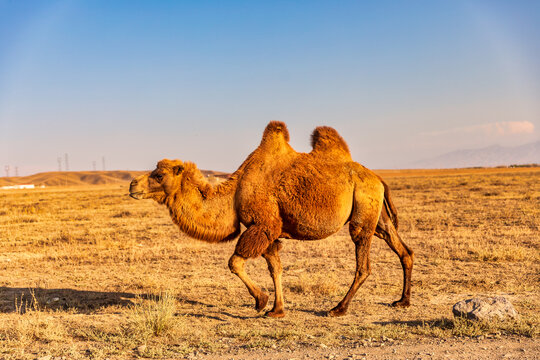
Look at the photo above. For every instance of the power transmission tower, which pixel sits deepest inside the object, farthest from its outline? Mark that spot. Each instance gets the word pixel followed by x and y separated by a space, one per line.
pixel 6 168
pixel 94 165
pixel 103 162
pixel 67 163
pixel 59 163
pixel 16 171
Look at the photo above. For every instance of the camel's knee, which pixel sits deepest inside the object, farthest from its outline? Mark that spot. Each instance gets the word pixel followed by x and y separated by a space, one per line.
pixel 407 255
pixel 236 264
pixel 411 254
pixel 365 270
pixel 407 259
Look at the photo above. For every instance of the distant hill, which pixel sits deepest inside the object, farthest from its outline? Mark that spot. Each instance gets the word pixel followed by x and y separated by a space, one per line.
pixel 76 178
pixel 486 157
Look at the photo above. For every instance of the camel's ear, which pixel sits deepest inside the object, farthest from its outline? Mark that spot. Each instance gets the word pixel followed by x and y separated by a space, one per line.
pixel 178 169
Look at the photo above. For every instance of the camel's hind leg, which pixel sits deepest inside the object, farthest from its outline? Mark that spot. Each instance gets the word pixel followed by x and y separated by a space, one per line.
pixel 386 231
pixel 271 256
pixel 361 228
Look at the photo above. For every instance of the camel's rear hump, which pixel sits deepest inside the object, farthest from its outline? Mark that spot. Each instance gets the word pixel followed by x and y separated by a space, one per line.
pixel 325 139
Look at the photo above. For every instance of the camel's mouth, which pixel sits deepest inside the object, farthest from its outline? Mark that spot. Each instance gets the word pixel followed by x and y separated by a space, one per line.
pixel 137 195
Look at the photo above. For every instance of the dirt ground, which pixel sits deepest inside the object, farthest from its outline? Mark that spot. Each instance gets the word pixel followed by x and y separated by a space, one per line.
pixel 89 273
pixel 488 349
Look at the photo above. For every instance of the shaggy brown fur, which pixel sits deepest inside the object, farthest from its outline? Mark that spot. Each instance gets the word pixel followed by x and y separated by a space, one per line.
pixel 280 193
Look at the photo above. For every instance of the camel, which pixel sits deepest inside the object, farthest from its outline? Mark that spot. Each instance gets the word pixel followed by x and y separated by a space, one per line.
pixel 278 193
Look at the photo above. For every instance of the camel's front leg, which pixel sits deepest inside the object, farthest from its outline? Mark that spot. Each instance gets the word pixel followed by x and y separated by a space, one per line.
pixel 253 242
pixel 236 264
pixel 274 266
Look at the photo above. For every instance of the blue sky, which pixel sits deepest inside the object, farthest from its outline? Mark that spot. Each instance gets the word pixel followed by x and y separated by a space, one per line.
pixel 137 81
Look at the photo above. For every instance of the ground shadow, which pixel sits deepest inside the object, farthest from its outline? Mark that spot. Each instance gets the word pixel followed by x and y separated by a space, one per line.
pixel 210 308
pixel 319 313
pixel 386 304
pixel 85 301
pixel 438 323
pixel 82 301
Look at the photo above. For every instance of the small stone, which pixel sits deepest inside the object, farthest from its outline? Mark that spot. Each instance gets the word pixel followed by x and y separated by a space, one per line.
pixel 141 349
pixel 323 346
pixel 46 357
pixel 485 308
pixel 53 300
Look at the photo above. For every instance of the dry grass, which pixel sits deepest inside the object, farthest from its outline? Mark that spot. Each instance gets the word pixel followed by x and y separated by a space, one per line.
pixel 154 317
pixel 87 272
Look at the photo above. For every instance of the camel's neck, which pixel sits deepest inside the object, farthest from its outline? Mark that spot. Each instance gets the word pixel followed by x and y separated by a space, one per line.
pixel 203 211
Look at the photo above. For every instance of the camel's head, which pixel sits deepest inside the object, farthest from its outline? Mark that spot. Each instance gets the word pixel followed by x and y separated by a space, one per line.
pixel 158 184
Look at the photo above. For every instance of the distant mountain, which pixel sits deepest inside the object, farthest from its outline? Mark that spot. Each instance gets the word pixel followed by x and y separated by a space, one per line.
pixel 486 157
pixel 77 178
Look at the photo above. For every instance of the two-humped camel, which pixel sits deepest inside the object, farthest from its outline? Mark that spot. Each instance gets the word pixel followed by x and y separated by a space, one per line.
pixel 280 193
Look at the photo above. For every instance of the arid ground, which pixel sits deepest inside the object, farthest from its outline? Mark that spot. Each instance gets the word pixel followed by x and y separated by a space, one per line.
pixel 87 272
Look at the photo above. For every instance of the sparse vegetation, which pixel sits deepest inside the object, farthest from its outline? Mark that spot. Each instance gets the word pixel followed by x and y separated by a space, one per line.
pixel 154 317
pixel 86 272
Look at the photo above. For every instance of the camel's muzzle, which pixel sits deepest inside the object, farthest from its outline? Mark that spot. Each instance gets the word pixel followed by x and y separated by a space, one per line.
pixel 133 191
pixel 136 195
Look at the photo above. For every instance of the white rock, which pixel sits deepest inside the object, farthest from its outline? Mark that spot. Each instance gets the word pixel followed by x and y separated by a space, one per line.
pixel 485 308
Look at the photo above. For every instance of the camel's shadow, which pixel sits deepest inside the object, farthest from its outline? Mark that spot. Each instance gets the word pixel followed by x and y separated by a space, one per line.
pixel 87 302
pixel 81 301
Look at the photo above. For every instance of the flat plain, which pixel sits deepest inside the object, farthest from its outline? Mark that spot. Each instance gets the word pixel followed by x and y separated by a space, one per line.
pixel 87 272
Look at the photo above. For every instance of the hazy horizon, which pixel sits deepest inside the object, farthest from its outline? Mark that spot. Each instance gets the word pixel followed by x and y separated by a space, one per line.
pixel 135 82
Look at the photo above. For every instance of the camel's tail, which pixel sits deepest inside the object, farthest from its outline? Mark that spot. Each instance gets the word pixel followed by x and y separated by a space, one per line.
pixel 389 205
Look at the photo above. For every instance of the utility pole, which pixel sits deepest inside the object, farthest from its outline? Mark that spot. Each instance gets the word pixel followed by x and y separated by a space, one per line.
pixel 103 162
pixel 59 159
pixel 6 168
pixel 67 163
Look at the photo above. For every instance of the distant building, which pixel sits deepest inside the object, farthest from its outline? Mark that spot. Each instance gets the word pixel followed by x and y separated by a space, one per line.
pixel 21 186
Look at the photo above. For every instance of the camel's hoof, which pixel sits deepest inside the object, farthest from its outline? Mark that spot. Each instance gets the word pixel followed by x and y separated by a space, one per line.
pixel 402 303
pixel 260 302
pixel 335 312
pixel 275 313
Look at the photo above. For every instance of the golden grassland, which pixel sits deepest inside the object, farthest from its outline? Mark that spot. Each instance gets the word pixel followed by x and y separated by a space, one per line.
pixel 87 272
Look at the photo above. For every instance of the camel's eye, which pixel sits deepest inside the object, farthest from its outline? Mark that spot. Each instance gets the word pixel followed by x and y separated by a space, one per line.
pixel 158 177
